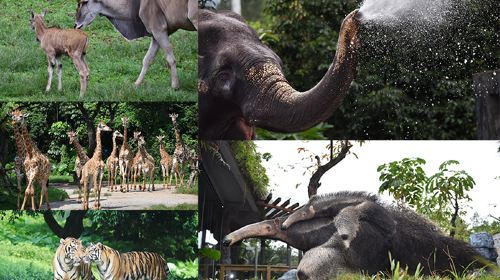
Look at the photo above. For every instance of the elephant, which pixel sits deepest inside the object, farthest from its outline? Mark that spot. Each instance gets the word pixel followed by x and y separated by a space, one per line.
pixel 363 235
pixel 241 84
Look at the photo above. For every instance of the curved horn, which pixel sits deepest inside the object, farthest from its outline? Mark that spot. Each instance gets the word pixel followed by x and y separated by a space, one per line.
pixel 279 107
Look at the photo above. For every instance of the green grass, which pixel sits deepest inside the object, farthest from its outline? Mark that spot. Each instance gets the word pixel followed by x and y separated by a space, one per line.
pixel 185 190
pixel 8 197
pixel 61 179
pixel 179 207
pixel 114 63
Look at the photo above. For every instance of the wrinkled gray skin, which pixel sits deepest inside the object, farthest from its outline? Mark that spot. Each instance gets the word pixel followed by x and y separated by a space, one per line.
pixel 360 236
pixel 241 84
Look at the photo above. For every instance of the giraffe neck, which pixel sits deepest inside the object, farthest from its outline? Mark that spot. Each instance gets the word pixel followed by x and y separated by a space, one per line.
pixel 125 138
pixel 79 150
pixel 115 149
pixel 39 28
pixel 31 148
pixel 143 151
pixel 178 139
pixel 97 152
pixel 19 141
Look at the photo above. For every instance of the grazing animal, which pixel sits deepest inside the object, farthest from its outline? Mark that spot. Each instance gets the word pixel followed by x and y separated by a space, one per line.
pixel 57 42
pixel 36 164
pixel 113 265
pixel 181 152
pixel 165 161
pixel 145 165
pixel 19 159
pixel 67 264
pixel 242 86
pixel 360 237
pixel 112 163
pixel 139 18
pixel 81 159
pixel 125 158
pixel 94 168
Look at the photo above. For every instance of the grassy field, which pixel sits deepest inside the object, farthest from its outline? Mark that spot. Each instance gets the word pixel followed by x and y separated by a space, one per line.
pixel 114 62
pixel 28 247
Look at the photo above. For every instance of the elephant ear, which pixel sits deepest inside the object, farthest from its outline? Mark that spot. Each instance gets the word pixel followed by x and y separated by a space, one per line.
pixel 224 84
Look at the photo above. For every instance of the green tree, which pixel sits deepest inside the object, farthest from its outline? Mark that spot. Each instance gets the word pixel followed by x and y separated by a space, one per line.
pixel 441 197
pixel 449 188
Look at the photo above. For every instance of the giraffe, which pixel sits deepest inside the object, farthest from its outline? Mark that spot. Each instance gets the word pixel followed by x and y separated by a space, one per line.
pixel 193 167
pixel 145 165
pixel 125 157
pixel 141 158
pixel 165 160
pixel 36 164
pixel 112 163
pixel 180 153
pixel 81 159
pixel 94 168
pixel 19 159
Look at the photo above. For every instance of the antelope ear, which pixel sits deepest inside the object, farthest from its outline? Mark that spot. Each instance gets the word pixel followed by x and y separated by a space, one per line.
pixel 32 13
pixel 44 12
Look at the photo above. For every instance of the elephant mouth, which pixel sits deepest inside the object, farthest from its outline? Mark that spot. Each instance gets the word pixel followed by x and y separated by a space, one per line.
pixel 239 128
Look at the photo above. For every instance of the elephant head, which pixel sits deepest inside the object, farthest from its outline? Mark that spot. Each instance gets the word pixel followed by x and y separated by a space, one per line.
pixel 242 86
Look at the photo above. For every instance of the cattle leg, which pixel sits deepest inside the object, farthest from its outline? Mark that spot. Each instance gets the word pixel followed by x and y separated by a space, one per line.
pixel 162 38
pixel 193 12
pixel 50 69
pixel 147 60
pixel 59 73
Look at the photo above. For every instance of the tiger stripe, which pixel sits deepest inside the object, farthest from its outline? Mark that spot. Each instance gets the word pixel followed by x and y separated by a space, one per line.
pixel 66 265
pixel 113 265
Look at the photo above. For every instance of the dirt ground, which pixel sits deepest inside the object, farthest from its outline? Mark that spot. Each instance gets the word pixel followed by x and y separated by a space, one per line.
pixel 133 200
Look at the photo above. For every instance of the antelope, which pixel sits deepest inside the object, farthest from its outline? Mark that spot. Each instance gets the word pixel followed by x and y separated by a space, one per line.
pixel 57 42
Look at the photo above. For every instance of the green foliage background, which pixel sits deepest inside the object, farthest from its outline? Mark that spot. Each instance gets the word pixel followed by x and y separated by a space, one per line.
pixel 29 246
pixel 407 87
pixel 114 62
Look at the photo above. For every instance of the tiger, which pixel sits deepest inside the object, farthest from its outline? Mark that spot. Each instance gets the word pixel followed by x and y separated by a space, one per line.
pixel 67 264
pixel 113 265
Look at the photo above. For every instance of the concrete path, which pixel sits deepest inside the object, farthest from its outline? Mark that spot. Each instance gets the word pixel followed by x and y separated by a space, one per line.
pixel 133 200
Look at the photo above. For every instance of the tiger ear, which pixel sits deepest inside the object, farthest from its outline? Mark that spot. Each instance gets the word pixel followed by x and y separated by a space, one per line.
pixel 99 245
pixel 61 241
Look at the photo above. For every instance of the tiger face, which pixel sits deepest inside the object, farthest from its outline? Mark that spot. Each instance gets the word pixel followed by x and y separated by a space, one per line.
pixel 93 253
pixel 72 250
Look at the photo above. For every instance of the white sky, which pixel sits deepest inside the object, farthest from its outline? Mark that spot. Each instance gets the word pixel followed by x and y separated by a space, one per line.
pixel 479 158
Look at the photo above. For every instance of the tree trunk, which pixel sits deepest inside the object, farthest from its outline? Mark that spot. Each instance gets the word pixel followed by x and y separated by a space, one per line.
pixel 314 184
pixel 89 120
pixel 236 6
pixel 454 218
pixel 73 227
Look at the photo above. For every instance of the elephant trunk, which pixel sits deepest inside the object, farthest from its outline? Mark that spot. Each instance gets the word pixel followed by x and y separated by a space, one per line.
pixel 279 107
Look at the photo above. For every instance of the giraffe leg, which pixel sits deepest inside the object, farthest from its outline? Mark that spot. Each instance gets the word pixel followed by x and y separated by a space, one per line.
pixel 101 174
pixel 32 195
pixel 145 176
pixel 164 175
pixel 45 192
pixel 152 179
pixel 85 200
pixel 26 194
pixel 95 190
pixel 19 188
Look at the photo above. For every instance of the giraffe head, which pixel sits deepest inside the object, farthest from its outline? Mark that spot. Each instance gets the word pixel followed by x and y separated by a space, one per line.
pixel 73 137
pixel 103 127
pixel 140 141
pixel 117 134
pixel 173 117
pixel 125 122
pixel 18 117
pixel 160 138
pixel 136 135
